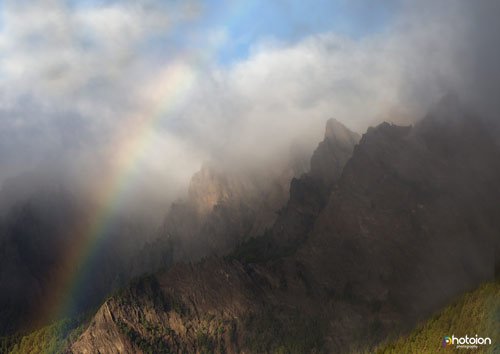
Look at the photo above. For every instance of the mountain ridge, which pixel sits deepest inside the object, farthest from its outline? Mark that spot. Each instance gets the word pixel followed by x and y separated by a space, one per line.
pixel 409 223
pixel 245 286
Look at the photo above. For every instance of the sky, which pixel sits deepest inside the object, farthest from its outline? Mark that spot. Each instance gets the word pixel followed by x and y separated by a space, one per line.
pixel 242 24
pixel 148 90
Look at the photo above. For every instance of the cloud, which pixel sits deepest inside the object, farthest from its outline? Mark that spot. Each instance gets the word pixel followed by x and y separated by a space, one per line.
pixel 73 77
pixel 70 76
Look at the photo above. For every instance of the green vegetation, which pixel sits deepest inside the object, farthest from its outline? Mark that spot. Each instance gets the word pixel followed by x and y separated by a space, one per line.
pixel 477 312
pixel 274 330
pixel 54 338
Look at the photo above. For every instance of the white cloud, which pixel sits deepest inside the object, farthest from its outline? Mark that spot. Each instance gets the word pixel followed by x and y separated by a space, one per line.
pixel 71 78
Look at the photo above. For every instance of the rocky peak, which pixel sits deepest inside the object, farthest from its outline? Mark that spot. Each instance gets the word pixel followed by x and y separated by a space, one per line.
pixel 336 132
pixel 227 205
pixel 332 153
pixel 209 187
pixel 405 230
pixel 309 193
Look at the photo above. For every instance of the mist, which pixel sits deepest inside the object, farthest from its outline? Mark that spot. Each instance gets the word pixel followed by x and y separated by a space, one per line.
pixel 108 108
pixel 74 76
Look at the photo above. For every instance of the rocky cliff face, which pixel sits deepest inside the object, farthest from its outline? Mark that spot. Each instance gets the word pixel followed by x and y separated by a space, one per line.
pixel 309 193
pixel 410 222
pixel 217 302
pixel 414 218
pixel 225 207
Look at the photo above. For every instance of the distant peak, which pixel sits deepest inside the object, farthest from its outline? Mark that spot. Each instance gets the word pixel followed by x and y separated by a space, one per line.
pixel 332 125
pixel 336 131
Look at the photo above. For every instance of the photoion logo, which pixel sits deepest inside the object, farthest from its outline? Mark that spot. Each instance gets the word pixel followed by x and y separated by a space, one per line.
pixel 465 342
pixel 446 341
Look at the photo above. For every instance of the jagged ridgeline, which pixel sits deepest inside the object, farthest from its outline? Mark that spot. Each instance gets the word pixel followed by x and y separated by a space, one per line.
pixel 381 234
pixel 404 226
pixel 223 208
pixel 477 311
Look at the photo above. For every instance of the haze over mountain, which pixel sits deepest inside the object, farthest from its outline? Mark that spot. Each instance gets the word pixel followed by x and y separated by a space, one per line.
pixel 408 224
pixel 139 136
pixel 77 108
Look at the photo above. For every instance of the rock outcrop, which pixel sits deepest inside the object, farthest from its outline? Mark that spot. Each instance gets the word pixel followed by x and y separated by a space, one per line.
pixel 410 222
pixel 224 207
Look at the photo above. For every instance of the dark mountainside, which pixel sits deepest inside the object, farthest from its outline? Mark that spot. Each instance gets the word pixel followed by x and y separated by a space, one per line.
pixel 39 210
pixel 307 198
pixel 411 223
pixel 308 194
pixel 35 235
pixel 26 257
pixel 223 208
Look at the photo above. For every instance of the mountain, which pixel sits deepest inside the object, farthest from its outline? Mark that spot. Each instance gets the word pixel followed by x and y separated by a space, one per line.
pixel 39 212
pixel 475 312
pixel 37 223
pixel 308 194
pixel 32 239
pixel 358 254
pixel 209 281
pixel 224 207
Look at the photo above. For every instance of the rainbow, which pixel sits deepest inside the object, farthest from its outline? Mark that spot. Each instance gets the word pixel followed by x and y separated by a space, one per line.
pixel 168 91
